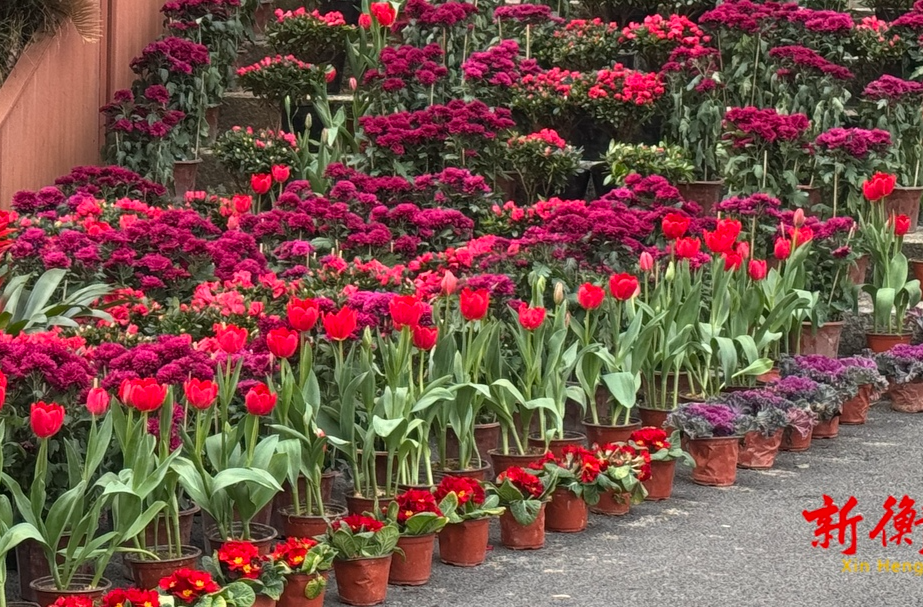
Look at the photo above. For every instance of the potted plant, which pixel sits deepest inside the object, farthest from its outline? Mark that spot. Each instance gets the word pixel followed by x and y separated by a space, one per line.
pixel 417 516
pixel 619 99
pixel 11 535
pixel 364 548
pixel 843 158
pixel 862 383
pixel 669 161
pixel 806 395
pixel 463 541
pixel 524 495
pixel 305 565
pixel 903 366
pixel 767 416
pixel 712 434
pixel 241 561
pixel 244 152
pixel 542 163
pixel 622 470
pixel 194 588
pixel 311 36
pixel 826 400
pixel 576 478
pixel 807 83
pixel 664 454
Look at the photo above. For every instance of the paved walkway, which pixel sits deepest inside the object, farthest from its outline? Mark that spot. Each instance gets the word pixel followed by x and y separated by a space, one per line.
pixel 746 545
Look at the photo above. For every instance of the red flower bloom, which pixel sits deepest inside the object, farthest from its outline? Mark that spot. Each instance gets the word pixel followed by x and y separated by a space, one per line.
pixel 340 325
pixel 232 339
pixel 531 318
pixel 732 261
pixel 425 337
pixel 189 585
pixel 97 400
pixel 651 438
pixel 800 236
pixel 261 182
pixel 384 13
pixel 623 286
pixel 200 393
pixel 589 469
pixel 782 249
pixel 674 225
pixel 465 489
pixel 590 296
pixel 724 237
pixel 293 551
pixel 241 558
pixel 123 597
pixel 406 311
pixel 646 262
pixel 46 418
pixel 281 173
pixel 474 304
pixel 73 601
pixel 259 400
pixel 358 523
pixel 365 21
pixel 901 224
pixel 687 248
pixel 879 186
pixel 415 501
pixel 757 269
pixel 282 342
pixel 528 484
pixel 143 394
pixel 302 314
pixel 2 388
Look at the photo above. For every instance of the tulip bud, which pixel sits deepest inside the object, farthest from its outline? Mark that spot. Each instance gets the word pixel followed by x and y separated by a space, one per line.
pixel 540 284
pixel 449 283
pixel 558 293
pixel 367 338
pixel 646 262
pixel 798 218
pixel 353 84
pixel 670 273
pixel 308 121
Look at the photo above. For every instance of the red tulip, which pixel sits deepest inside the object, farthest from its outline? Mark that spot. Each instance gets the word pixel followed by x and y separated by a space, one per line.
pixel 674 225
pixel 531 318
pixel 757 269
pixel 242 203
pixel 282 342
pixel 2 389
pixel 261 182
pixel 782 249
pixel 801 235
pixel 259 400
pixel 384 13
pixel 425 337
pixel 879 186
pixel 732 261
pixel 281 173
pixel 46 418
pixel 302 314
pixel 406 311
pixel 623 286
pixel 723 238
pixel 232 339
pixel 743 249
pixel 330 75
pixel 901 225
pixel 340 325
pixel 97 401
pixel 474 304
pixel 144 394
pixel 365 21
pixel 687 248
pixel 200 393
pixel 589 296
pixel 646 262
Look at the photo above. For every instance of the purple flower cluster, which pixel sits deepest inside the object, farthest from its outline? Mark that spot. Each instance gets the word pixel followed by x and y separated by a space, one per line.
pixel 47 362
pixel 111 182
pixel 147 116
pixel 858 143
pixel 703 420
pixel 447 14
pixel 746 16
pixel 912 20
pixel 499 65
pixel 170 359
pixel 751 125
pixel 190 10
pixel 755 205
pixel 893 89
pixel 823 22
pixel 532 14
pixel 403 63
pixel 179 415
pixel 798 389
pixel 803 57
pixel 174 54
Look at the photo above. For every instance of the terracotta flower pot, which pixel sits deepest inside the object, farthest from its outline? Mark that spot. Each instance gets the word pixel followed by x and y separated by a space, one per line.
pixel 758 451
pixel 653 417
pixel 769 376
pixel 298 588
pixel 287 496
pixel 557 445
pixel 566 513
pixel 502 462
pixel 856 409
pixel 825 341
pixel 603 433
pixel 363 581
pixel 857 270
pixel 262 600
pixel 882 342
pixel 706 193
pixel 263 15
pixel 905 201
pixel 147 573
pixel 793 441
pixel 486 438
pixel 827 429
pixel 478 473
pixel 522 537
pixel 916 269
pixel 612 504
pixel 813 195
pixel 155 534
pixel 907 398
pixel 21 604
pixel 261 536
pixel 302 525
pixel 184 177
pixel 715 460
pixel 46 593
pixel 415 566
pixel 464 544
pixel 31 564
pixel 359 504
pixel 660 485
pixel 211 119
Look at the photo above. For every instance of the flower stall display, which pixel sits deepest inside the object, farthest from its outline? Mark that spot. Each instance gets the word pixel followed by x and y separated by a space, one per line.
pixel 364 547
pixel 524 493
pixel 310 36
pixel 419 519
pixel 712 433
pixel 664 452
pixel 825 395
pixel 463 501
pixel 305 564
pixel 902 366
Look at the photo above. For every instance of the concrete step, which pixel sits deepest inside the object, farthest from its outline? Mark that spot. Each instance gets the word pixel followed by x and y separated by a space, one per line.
pixel 913 245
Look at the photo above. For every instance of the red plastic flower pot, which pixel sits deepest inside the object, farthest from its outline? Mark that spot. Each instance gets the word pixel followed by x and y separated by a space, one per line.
pixel 612 504
pixel 907 398
pixel 827 429
pixel 296 590
pixel 464 544
pixel 515 536
pixel 303 525
pixel 363 581
pixel 660 485
pixel 46 593
pixel 882 342
pixel 566 513
pixel 758 451
pixel 415 566
pixel 793 441
pixel 856 409
pixel 715 460
pixel 262 600
pixel 655 418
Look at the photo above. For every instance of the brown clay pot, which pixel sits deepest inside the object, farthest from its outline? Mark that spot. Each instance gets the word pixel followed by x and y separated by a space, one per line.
pixel 486 438
pixel 769 376
pixel 715 460
pixel 262 600
pixel 21 604
pixel 706 193
pixel 916 269
pixel 757 451
pixel 502 462
pixel 381 465
pixel 813 195
pixel 522 537
pixel 824 341
pixel 660 485
pixel 827 429
pixel 602 433
pixel 612 504
pixel 359 504
pixel 303 526
pixel 793 441
pixel 363 581
pixel 47 594
pixel 156 533
pixel 147 573
pixel 557 445
pixel 286 497
pixel 905 201
pixel 296 589
pixel 211 119
pixel 263 15
pixel 566 513
pixel 31 564
pixel 856 409
pixel 261 536
pixel 882 342
pixel 478 473
pixel 415 566
pixel 907 398
pixel 184 177
pixel 653 417
pixel 464 544
pixel 857 270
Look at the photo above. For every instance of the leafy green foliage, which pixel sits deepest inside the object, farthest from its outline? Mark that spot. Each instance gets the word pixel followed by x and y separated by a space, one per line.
pixel 30 308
